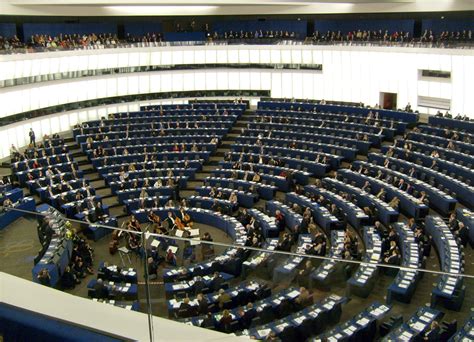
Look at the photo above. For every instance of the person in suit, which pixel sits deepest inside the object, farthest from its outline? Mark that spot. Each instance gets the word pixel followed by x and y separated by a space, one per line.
pixel 223 298
pixel 279 220
pixel 249 314
pixel 207 250
pixel 62 200
pixel 216 282
pixel 32 136
pixel 303 274
pixel 99 211
pixel 393 258
pixel 50 192
pixel 216 206
pixel 101 291
pixel 297 209
pixel 199 285
pixel 295 233
pixel 233 198
pixel 334 210
pixel 462 233
pixel 186 309
pixel 243 217
pixel 366 187
pixel 171 220
pixel 412 224
pixel 240 318
pixel 285 308
pixel 152 268
pixel 285 243
pixel 433 333
pixel 381 194
pixel 45 231
pixel 208 321
pixel 69 280
pixel 304 299
pixel 202 304
pixel 402 185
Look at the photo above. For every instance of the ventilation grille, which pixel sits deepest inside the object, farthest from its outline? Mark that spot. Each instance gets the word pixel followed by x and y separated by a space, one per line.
pixel 434 102
pixel 441 75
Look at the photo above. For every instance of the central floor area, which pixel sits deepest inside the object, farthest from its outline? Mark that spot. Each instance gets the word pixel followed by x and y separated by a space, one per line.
pixel 19 246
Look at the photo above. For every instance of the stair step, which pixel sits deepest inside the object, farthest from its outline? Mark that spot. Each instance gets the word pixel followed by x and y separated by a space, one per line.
pixel 97 184
pixel 111 201
pixel 105 192
pixel 77 154
pixel 87 171
pixel 187 193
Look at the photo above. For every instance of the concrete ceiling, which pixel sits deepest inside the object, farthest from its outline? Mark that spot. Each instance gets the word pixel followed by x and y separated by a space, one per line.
pixel 222 7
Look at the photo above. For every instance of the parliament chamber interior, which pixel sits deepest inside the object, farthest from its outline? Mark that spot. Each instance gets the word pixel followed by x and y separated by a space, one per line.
pixel 215 171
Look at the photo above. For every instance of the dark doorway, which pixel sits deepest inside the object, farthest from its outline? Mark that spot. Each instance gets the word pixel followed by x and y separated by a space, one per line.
pixel 388 100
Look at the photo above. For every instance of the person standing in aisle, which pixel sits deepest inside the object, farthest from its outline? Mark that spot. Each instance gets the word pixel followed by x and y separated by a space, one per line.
pixel 32 137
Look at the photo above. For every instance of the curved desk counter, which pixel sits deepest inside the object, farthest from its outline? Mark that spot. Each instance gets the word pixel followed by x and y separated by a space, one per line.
pixel 329 270
pixel 292 219
pixel 363 281
pixel 230 261
pixel 265 191
pixel 7 217
pixel 408 204
pixel 348 153
pixel 406 281
pixel 449 291
pixel 56 255
pixel 360 111
pixel 304 323
pixel 321 215
pixel 362 327
pixel 467 126
pixel 460 190
pixel 286 271
pixel 355 215
pixel 386 213
pixel 333 160
pixel 441 201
